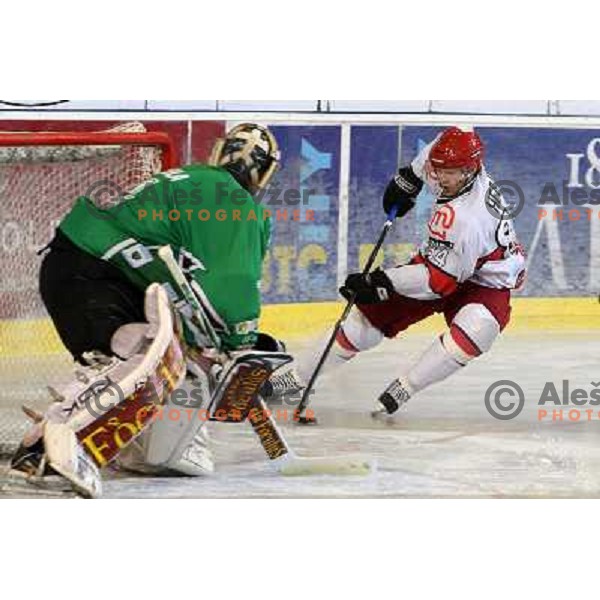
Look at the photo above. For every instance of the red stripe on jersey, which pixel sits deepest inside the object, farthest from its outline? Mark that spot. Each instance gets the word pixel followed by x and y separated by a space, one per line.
pixel 463 341
pixel 497 254
pixel 439 281
pixel 344 342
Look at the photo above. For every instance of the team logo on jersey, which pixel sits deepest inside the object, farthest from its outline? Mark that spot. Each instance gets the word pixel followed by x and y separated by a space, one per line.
pixel 441 221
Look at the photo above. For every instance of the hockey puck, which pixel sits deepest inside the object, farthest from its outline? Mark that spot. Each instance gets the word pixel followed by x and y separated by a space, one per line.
pixel 304 420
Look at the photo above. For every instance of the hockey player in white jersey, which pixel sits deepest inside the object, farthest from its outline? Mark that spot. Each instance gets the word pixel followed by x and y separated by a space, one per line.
pixel 465 269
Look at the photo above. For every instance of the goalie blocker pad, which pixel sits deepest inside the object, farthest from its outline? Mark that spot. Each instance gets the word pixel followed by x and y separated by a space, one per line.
pixel 240 383
pixel 237 397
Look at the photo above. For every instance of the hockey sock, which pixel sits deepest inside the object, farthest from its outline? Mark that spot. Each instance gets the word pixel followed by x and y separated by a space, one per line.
pixel 341 352
pixel 443 358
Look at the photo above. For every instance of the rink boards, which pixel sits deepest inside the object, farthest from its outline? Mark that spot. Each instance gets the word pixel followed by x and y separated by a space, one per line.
pixel 305 320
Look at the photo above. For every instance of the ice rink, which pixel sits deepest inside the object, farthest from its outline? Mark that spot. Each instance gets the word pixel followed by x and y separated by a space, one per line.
pixel 445 445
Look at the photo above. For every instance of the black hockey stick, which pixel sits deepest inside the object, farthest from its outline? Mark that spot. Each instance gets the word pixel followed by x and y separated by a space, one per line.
pixel 302 419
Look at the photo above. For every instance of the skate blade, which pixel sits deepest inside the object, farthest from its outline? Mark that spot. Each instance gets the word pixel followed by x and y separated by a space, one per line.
pixel 382 416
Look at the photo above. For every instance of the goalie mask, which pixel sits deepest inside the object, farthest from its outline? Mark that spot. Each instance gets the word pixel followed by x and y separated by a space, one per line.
pixel 250 153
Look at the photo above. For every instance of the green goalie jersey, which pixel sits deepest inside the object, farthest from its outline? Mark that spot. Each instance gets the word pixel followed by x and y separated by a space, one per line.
pixel 217 232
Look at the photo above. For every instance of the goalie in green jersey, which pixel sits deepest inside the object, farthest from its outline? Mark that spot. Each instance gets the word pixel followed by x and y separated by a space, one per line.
pixel 102 260
pixel 98 278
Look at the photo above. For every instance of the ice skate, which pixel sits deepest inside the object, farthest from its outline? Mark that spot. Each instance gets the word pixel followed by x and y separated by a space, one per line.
pixel 392 402
pixel 284 386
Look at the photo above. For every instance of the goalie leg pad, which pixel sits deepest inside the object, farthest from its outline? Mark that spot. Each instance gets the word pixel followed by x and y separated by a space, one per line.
pixel 112 400
pixel 107 381
pixel 144 383
pixel 178 438
pixel 67 458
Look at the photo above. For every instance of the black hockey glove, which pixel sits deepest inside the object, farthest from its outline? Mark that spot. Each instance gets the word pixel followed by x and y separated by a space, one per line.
pixel 402 191
pixel 367 289
pixel 267 343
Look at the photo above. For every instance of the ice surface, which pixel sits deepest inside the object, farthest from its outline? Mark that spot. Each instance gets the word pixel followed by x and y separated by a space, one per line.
pixel 445 445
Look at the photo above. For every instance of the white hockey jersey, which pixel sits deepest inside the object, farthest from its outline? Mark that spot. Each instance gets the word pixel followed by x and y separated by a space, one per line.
pixel 470 238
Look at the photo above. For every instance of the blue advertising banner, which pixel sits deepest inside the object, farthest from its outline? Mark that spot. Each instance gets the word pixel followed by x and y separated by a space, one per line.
pixel 373 161
pixel 302 261
pixel 556 170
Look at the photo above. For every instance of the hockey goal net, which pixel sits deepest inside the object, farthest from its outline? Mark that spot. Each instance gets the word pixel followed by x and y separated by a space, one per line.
pixel 41 174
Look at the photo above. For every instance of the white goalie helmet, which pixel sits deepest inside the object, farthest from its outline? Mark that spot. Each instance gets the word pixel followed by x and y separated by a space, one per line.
pixel 250 153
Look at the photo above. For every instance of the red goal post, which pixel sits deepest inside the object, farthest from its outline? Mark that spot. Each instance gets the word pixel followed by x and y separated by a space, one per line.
pixel 95 138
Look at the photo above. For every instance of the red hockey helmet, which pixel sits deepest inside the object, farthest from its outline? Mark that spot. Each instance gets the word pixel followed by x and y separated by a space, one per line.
pixel 457 149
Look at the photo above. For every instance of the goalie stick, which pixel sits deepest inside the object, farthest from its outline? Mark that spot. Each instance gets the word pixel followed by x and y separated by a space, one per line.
pixel 241 403
pixel 304 419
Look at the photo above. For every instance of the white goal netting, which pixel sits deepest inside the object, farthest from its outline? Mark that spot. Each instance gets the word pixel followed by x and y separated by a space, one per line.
pixel 41 174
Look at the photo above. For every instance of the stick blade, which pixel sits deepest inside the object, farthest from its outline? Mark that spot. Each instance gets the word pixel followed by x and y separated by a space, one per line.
pixel 298 466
